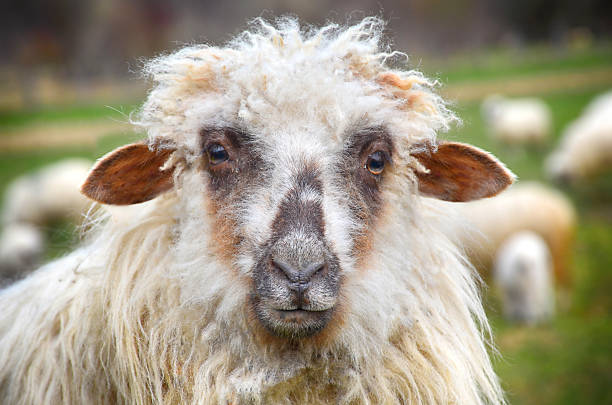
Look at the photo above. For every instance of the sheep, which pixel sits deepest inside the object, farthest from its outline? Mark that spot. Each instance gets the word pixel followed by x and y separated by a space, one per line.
pixel 525 206
pixel 48 194
pixel 34 201
pixel 21 250
pixel 281 247
pixel 518 121
pixel 523 276
pixel 585 148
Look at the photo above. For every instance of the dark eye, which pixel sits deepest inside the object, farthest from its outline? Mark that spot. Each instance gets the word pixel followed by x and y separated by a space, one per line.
pixel 376 163
pixel 217 154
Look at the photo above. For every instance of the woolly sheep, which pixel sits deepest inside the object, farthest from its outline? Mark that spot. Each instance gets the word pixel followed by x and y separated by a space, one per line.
pixel 48 194
pixel 585 148
pixel 32 202
pixel 523 275
pixel 283 253
pixel 21 250
pixel 517 121
pixel 525 206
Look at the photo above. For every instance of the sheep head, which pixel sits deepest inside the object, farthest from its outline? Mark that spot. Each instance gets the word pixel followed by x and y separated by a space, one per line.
pixel 298 145
pixel 297 275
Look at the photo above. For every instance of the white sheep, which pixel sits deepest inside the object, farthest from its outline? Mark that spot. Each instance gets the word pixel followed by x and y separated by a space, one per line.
pixel 518 121
pixel 284 255
pixel 585 148
pixel 21 250
pixel 34 201
pixel 525 206
pixel 48 194
pixel 523 276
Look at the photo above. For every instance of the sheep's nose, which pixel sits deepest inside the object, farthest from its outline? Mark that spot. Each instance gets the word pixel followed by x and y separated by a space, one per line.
pixel 300 275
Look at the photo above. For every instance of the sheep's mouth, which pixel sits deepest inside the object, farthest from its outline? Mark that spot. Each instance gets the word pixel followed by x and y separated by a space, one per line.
pixel 299 323
pixel 298 315
pixel 293 323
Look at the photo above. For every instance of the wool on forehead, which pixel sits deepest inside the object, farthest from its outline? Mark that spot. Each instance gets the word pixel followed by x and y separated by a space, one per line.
pixel 281 79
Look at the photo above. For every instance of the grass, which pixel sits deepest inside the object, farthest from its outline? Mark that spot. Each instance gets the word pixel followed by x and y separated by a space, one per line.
pixel 568 361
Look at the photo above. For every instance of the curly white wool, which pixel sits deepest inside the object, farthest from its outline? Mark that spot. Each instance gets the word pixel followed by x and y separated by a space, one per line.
pixel 325 76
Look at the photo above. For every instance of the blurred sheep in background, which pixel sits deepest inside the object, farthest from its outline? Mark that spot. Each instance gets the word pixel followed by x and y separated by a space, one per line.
pixel 518 121
pixel 21 249
pixel 34 201
pixel 585 148
pixel 526 206
pixel 522 274
pixel 48 194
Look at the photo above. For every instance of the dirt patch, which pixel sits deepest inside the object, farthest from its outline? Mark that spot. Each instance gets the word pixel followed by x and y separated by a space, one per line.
pixel 530 85
pixel 41 136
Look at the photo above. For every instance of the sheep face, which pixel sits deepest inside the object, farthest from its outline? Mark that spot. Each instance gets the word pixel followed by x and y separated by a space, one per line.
pixel 294 175
pixel 295 217
pixel 308 211
pixel 295 272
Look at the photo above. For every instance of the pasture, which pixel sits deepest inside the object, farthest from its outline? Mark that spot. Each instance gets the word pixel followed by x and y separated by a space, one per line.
pixel 568 361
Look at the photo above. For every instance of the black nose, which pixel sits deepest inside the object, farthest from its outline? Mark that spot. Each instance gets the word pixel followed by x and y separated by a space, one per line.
pixel 300 275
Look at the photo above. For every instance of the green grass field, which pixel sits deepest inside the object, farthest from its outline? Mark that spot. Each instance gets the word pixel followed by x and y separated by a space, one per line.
pixel 568 361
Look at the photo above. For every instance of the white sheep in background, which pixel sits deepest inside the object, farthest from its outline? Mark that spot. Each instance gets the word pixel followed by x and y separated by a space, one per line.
pixel 48 194
pixel 285 254
pixel 21 250
pixel 523 275
pixel 518 121
pixel 525 206
pixel 585 148
pixel 32 202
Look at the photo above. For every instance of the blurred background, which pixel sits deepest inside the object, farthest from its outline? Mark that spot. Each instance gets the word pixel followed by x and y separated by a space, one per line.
pixel 528 78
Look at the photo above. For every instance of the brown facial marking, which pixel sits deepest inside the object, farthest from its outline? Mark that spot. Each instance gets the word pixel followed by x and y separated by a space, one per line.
pixel 229 183
pixel 294 212
pixel 460 172
pixel 364 187
pixel 129 175
pixel 391 79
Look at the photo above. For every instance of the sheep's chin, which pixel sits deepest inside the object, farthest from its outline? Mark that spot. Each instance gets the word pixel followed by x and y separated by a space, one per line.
pixel 292 324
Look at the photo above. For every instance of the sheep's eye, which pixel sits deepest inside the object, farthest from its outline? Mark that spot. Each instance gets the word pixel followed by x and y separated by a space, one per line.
pixel 217 154
pixel 376 163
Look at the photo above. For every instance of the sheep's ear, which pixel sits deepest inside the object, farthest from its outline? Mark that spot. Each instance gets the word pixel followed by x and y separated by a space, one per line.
pixel 130 174
pixel 458 172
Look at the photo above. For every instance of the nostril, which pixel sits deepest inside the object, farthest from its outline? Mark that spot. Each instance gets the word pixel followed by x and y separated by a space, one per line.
pixel 298 275
pixel 312 269
pixel 289 271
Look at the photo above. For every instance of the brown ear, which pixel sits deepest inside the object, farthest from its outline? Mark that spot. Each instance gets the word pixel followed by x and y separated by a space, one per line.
pixel 129 175
pixel 460 172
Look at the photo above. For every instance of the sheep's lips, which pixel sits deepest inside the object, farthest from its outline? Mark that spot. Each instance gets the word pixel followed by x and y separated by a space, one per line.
pixel 292 324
